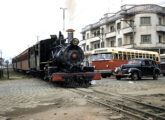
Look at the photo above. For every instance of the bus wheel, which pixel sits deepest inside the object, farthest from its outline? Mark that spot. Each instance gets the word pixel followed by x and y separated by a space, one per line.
pixel 103 75
pixel 135 76
pixel 118 77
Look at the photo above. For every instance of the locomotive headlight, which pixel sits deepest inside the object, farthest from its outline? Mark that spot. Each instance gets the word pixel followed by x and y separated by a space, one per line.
pixel 75 41
pixel 74 55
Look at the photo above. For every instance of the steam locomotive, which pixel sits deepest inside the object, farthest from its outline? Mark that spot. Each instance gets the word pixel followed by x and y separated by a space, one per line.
pixel 58 61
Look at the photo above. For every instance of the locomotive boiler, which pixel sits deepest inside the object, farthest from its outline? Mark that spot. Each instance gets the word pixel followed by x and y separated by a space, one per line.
pixel 57 60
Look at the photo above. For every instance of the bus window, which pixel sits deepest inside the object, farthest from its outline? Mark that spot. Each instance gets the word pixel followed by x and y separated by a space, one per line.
pixel 154 57
pixel 124 56
pixel 120 56
pixel 132 55
pixel 143 55
pixel 140 55
pixel 97 57
pixel 136 55
pixel 150 56
pixel 115 56
pixel 157 59
pixel 147 55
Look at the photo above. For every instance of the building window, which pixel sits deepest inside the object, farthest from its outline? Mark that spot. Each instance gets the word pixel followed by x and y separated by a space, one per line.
pixel 87 47
pixel 87 35
pixel 131 39
pixel 102 31
pixel 83 37
pixel 160 21
pixel 119 42
pixel 145 38
pixel 102 44
pixel 95 34
pixel 96 45
pixel 119 26
pixel 112 43
pixel 145 21
pixel 112 29
pixel 98 33
pixel 84 48
pixel 131 23
pixel 160 39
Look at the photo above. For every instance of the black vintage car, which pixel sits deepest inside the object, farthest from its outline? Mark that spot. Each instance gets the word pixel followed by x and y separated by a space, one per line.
pixel 137 68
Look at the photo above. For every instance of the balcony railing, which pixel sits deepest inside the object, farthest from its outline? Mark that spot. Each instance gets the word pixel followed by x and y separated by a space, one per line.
pixel 110 34
pixel 128 30
pixel 160 28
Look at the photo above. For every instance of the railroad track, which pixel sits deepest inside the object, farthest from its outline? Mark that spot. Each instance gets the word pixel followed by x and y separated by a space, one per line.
pixel 124 104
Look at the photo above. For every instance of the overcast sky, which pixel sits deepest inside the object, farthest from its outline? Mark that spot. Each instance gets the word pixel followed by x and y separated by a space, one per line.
pixel 21 21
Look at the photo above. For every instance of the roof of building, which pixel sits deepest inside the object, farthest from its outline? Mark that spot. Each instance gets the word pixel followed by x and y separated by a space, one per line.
pixel 126 10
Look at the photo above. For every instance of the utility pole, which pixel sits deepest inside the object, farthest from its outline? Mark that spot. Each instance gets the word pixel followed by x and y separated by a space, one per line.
pixel 131 24
pixel 63 9
pixel 7 63
pixel 37 38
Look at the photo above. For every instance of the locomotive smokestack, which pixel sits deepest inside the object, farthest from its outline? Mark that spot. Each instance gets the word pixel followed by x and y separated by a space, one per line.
pixel 70 35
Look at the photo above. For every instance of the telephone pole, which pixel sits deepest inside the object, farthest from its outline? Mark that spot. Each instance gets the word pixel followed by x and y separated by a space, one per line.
pixel 63 9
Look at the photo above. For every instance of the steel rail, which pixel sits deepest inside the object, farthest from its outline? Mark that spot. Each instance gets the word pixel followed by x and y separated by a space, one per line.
pixel 135 109
pixel 132 99
pixel 112 107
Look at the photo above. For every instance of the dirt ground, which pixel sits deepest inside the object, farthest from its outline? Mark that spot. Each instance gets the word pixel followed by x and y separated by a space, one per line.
pixel 39 100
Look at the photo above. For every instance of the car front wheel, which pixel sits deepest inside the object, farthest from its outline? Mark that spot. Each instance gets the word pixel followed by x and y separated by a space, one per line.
pixel 135 76
pixel 118 77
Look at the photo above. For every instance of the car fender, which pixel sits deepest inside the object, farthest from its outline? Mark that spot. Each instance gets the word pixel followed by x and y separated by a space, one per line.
pixel 156 70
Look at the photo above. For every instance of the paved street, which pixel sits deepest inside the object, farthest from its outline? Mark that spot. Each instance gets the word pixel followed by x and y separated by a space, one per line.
pixel 31 93
pixel 26 93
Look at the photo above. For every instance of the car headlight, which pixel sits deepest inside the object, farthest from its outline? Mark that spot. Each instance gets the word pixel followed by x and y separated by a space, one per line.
pixel 117 69
pixel 129 70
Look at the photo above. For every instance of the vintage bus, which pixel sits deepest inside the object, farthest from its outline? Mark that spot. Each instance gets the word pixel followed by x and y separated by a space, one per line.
pixel 105 60
pixel 162 64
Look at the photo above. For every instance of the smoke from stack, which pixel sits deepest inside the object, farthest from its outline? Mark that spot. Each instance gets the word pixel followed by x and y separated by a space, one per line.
pixel 71 7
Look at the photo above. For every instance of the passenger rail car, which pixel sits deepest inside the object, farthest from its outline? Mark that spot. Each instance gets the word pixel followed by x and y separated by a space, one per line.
pixel 56 60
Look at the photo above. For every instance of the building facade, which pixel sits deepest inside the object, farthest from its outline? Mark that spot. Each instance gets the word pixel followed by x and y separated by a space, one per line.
pixel 134 26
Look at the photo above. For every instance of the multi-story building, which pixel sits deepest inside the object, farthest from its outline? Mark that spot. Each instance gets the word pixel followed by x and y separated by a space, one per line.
pixel 134 26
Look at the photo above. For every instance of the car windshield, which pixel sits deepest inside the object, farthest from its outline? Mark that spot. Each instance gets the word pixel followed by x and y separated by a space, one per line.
pixel 134 62
pixel 97 57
